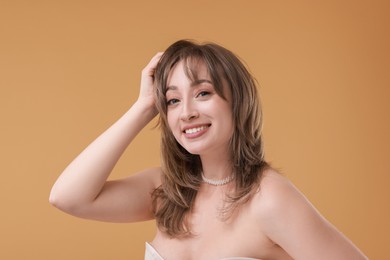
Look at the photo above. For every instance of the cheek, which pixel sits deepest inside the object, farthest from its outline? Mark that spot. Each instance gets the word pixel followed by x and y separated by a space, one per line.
pixel 173 127
pixel 171 119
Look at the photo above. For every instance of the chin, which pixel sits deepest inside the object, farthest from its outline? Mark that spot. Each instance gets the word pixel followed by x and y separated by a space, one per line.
pixel 193 150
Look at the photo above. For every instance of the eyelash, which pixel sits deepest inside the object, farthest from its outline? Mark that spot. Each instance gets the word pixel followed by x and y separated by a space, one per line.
pixel 173 101
pixel 203 93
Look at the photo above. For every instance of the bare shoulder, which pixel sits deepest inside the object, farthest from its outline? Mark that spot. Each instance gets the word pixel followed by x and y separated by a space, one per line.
pixel 275 192
pixel 278 200
pixel 291 221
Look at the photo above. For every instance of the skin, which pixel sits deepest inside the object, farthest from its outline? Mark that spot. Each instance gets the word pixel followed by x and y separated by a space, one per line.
pixel 277 223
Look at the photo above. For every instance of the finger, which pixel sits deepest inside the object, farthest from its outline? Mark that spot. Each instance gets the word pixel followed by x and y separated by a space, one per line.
pixel 149 69
pixel 156 58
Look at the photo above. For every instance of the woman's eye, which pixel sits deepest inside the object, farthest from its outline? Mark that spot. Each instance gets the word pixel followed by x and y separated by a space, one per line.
pixel 172 101
pixel 203 93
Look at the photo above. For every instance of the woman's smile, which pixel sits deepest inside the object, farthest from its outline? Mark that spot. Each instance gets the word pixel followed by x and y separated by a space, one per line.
pixel 195 131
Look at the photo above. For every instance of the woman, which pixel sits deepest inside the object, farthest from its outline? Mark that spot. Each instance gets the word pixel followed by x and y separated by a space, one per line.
pixel 214 197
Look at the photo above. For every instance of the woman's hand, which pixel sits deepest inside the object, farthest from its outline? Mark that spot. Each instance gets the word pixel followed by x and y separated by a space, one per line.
pixel 146 95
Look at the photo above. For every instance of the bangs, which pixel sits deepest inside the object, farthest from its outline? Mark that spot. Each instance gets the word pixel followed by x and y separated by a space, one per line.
pixel 193 59
pixel 192 64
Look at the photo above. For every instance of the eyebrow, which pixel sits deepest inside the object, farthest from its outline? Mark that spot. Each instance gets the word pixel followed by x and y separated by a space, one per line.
pixel 193 84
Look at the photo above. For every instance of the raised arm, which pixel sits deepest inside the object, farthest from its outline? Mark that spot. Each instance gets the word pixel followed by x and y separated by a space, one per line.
pixel 83 190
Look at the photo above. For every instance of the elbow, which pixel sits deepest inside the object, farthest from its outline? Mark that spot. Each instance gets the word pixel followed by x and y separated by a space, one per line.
pixel 56 200
pixel 69 204
pixel 62 202
pixel 53 200
pixel 55 197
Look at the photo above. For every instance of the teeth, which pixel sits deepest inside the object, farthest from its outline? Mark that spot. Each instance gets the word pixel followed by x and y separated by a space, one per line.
pixel 194 130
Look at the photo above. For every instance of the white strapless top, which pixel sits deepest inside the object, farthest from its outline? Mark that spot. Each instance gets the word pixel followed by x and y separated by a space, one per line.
pixel 152 254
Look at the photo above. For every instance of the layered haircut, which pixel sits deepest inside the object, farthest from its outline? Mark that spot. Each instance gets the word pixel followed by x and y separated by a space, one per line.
pixel 181 178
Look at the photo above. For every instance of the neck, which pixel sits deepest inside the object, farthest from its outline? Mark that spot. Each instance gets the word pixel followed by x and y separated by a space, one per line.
pixel 216 167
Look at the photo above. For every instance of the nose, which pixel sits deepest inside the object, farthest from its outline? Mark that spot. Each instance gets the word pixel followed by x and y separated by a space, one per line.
pixel 189 111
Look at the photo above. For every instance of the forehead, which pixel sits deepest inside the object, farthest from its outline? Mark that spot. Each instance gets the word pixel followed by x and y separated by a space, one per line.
pixel 188 70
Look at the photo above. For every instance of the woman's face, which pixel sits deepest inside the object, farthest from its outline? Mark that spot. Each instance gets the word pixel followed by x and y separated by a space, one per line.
pixel 198 117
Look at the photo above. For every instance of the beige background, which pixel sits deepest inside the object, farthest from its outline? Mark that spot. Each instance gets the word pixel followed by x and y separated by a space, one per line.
pixel 68 69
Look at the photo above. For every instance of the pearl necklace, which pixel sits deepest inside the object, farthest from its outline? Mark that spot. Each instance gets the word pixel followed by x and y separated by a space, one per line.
pixel 218 182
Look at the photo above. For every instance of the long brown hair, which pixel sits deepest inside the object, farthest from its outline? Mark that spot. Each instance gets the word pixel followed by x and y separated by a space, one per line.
pixel 174 199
